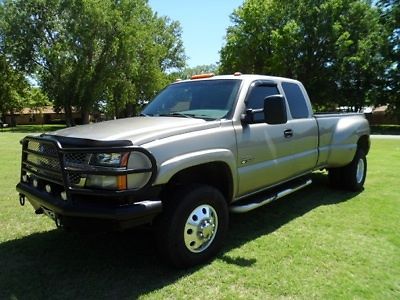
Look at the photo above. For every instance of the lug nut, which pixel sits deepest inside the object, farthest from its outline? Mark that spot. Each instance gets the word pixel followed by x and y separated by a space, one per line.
pixel 25 178
pixel 35 183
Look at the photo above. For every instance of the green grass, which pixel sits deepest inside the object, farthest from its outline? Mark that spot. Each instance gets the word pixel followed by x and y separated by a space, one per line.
pixel 318 243
pixel 32 128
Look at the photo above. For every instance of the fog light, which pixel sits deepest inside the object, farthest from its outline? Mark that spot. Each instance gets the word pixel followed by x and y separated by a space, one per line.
pixel 48 188
pixel 25 178
pixel 64 196
pixel 35 183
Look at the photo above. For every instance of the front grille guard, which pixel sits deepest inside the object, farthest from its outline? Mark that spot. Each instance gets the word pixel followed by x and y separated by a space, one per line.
pixel 51 157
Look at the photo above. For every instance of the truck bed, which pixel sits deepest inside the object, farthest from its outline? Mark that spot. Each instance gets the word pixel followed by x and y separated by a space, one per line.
pixel 337 141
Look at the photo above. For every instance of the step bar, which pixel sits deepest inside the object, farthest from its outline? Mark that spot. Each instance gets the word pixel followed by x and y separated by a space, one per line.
pixel 256 204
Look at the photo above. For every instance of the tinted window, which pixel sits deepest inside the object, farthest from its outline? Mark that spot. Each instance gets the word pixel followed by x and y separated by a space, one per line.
pixel 209 99
pixel 256 99
pixel 295 98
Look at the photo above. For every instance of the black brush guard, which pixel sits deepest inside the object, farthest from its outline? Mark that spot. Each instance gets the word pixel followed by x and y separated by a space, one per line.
pixel 58 162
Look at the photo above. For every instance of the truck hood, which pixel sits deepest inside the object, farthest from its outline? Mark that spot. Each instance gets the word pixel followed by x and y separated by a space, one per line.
pixel 139 130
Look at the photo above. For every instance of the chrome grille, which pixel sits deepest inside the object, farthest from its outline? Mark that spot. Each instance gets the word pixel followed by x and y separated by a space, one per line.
pixel 45 149
pixel 46 162
pixel 42 159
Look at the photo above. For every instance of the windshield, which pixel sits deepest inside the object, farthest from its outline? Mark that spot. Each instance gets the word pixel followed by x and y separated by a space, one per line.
pixel 206 99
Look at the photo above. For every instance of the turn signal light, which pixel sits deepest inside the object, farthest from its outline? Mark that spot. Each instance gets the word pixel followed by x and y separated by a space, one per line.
pixel 122 182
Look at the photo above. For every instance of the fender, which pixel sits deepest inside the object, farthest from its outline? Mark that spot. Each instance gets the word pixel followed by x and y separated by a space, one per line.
pixel 170 167
pixel 344 140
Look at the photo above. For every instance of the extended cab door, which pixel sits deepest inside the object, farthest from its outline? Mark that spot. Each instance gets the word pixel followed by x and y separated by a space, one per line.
pixel 270 154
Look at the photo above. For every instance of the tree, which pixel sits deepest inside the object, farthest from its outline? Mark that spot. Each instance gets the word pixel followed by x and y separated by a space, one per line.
pixel 12 83
pixel 390 13
pixel 83 52
pixel 188 72
pixel 334 47
pixel 12 90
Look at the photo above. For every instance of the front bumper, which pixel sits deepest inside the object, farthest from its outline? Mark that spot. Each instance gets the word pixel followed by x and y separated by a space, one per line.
pixel 53 168
pixel 66 212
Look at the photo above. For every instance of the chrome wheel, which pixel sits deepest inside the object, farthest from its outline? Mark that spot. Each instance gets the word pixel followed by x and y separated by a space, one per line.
pixel 200 228
pixel 360 171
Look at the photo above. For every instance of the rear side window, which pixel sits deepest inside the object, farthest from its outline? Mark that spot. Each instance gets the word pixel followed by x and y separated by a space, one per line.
pixel 256 99
pixel 295 98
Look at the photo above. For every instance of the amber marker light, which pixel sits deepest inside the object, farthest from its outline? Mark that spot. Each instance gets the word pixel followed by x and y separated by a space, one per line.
pixel 124 159
pixel 122 182
pixel 200 76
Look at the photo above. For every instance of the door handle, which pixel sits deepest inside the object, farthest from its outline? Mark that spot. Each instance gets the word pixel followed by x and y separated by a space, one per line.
pixel 288 133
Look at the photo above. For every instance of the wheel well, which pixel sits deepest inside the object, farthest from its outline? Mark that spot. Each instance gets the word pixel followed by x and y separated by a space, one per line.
pixel 216 174
pixel 364 143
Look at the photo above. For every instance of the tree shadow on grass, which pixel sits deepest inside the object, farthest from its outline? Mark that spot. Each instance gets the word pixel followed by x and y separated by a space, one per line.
pixel 58 264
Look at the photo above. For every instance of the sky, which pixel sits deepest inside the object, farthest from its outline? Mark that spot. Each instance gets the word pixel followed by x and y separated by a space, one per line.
pixel 203 24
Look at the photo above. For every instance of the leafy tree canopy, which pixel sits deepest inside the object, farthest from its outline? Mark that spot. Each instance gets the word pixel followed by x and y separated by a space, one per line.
pixel 188 72
pixel 334 46
pixel 390 12
pixel 13 87
pixel 87 52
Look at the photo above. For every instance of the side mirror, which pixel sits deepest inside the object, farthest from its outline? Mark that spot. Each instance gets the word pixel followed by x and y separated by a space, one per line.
pixel 275 110
pixel 247 117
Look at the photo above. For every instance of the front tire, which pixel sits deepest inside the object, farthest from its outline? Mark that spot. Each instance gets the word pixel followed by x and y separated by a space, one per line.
pixel 193 225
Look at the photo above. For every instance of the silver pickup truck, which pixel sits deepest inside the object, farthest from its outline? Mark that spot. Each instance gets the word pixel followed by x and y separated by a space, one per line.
pixel 201 148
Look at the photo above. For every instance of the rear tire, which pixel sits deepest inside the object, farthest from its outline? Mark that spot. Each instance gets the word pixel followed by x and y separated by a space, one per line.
pixel 193 225
pixel 352 176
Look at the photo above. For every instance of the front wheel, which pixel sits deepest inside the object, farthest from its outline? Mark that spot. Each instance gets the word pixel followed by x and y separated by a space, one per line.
pixel 192 226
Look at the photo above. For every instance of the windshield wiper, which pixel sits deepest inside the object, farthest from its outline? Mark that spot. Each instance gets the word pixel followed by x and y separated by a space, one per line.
pixel 177 114
pixel 145 115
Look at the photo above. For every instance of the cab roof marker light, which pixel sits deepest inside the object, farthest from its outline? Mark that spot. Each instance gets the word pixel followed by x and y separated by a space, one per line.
pixel 200 76
pixel 237 74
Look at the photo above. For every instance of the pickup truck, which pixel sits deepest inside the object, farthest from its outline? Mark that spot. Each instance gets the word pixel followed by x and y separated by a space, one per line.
pixel 202 148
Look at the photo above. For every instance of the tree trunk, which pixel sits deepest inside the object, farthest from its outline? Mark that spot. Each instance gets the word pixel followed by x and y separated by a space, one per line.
pixel 13 119
pixel 3 117
pixel 69 121
pixel 130 110
pixel 85 116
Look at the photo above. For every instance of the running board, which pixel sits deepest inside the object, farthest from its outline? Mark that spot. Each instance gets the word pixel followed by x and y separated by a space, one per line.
pixel 248 206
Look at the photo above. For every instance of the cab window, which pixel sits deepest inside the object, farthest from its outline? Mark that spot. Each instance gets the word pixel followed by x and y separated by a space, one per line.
pixel 295 98
pixel 255 99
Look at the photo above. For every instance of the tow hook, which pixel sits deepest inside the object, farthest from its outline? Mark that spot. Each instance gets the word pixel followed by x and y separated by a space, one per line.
pixel 22 199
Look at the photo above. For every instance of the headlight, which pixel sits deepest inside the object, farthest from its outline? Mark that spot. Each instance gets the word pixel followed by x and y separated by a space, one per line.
pixel 109 159
pixel 106 182
pixel 138 160
pixel 122 171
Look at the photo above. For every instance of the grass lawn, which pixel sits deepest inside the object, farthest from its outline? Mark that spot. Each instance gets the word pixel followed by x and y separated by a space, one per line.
pixel 318 243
